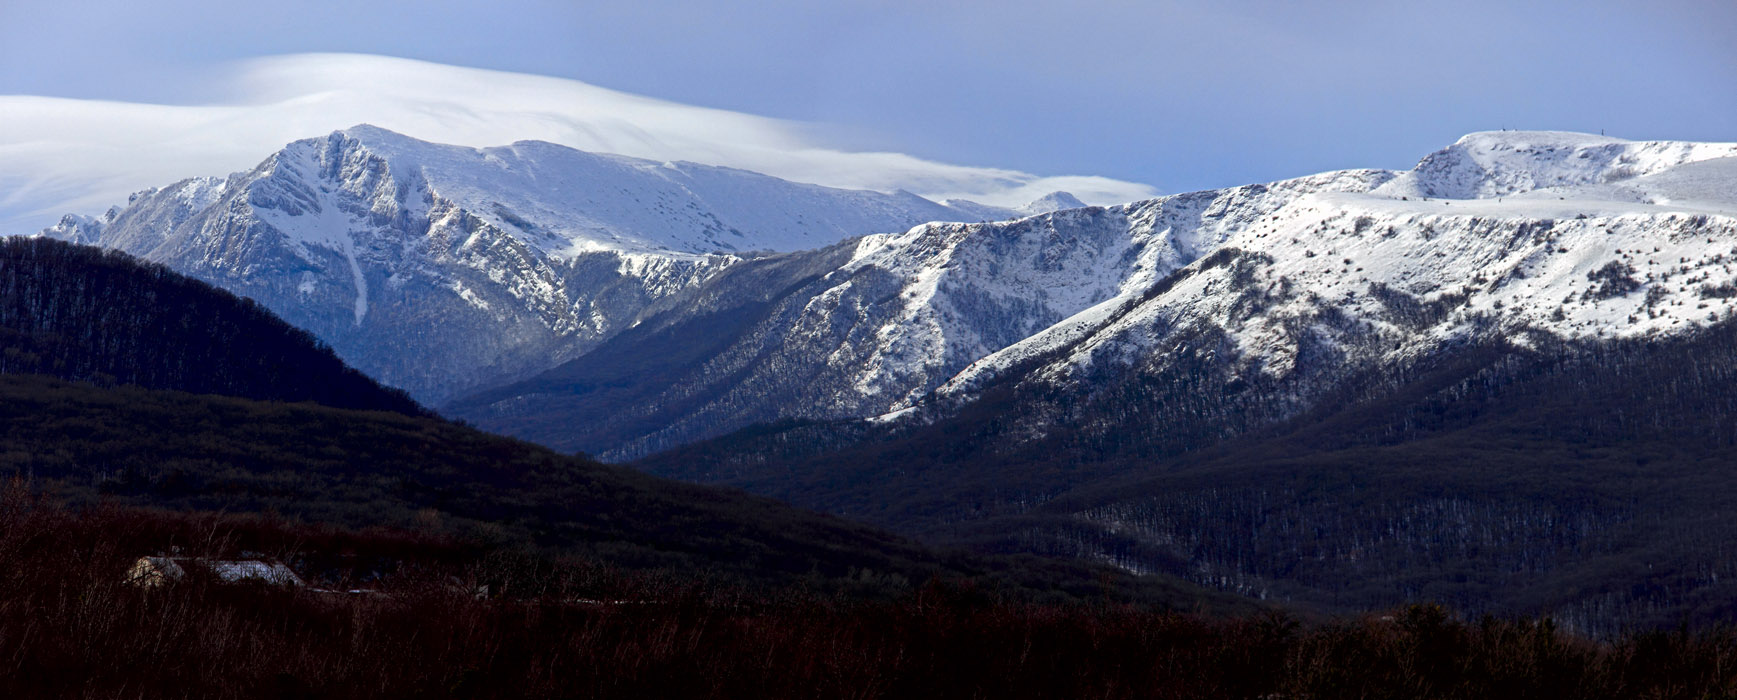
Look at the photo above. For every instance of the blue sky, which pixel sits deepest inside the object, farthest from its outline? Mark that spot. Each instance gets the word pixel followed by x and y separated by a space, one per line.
pixel 1178 95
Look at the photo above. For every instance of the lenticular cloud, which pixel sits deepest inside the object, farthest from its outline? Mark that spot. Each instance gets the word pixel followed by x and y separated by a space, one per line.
pixel 64 155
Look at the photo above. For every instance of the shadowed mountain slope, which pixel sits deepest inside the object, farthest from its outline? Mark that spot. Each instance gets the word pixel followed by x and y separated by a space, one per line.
pixel 78 312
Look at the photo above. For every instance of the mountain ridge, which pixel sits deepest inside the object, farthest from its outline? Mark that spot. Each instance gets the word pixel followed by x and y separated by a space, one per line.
pixel 918 319
pixel 441 269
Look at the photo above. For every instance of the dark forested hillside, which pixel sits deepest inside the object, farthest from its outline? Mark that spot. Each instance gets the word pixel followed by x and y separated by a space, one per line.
pixel 85 313
pixel 1586 479
pixel 371 468
pixel 1592 481
pixel 127 383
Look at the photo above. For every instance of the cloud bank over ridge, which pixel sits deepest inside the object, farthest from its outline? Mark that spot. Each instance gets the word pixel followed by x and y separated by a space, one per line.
pixel 60 155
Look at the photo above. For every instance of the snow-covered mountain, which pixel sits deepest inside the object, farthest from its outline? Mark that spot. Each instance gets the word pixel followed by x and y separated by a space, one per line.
pixel 1054 201
pixel 1501 234
pixel 895 318
pixel 1292 283
pixel 446 269
pixel 441 268
pixel 1345 389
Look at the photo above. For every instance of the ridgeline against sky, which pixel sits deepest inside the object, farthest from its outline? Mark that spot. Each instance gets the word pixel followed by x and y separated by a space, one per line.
pixel 1173 95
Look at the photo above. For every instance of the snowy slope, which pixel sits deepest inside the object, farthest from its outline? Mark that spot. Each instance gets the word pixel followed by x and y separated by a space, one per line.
pixel 1494 164
pixel 1054 201
pixel 1564 234
pixel 964 280
pixel 442 268
pixel 1295 283
pixel 565 201
pixel 894 317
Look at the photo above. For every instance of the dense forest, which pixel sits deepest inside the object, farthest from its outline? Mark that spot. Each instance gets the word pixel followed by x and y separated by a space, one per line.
pixel 399 613
pixel 84 313
pixel 1583 479
pixel 1590 480
pixel 126 445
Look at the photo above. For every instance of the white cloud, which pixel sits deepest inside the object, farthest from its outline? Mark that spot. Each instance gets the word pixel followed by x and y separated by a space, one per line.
pixel 64 155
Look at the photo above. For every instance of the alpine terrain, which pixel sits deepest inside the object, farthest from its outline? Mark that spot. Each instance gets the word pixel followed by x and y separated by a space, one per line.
pixel 438 269
pixel 1223 383
pixel 1468 380
pixel 1297 282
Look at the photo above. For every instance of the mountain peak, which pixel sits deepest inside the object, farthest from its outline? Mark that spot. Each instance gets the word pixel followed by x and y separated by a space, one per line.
pixel 1054 201
pixel 1536 139
pixel 565 201
pixel 384 142
pixel 369 131
pixel 1491 164
pixel 362 234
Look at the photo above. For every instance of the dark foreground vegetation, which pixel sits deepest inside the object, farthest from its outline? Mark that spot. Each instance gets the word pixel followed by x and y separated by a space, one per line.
pixel 358 469
pixel 71 626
